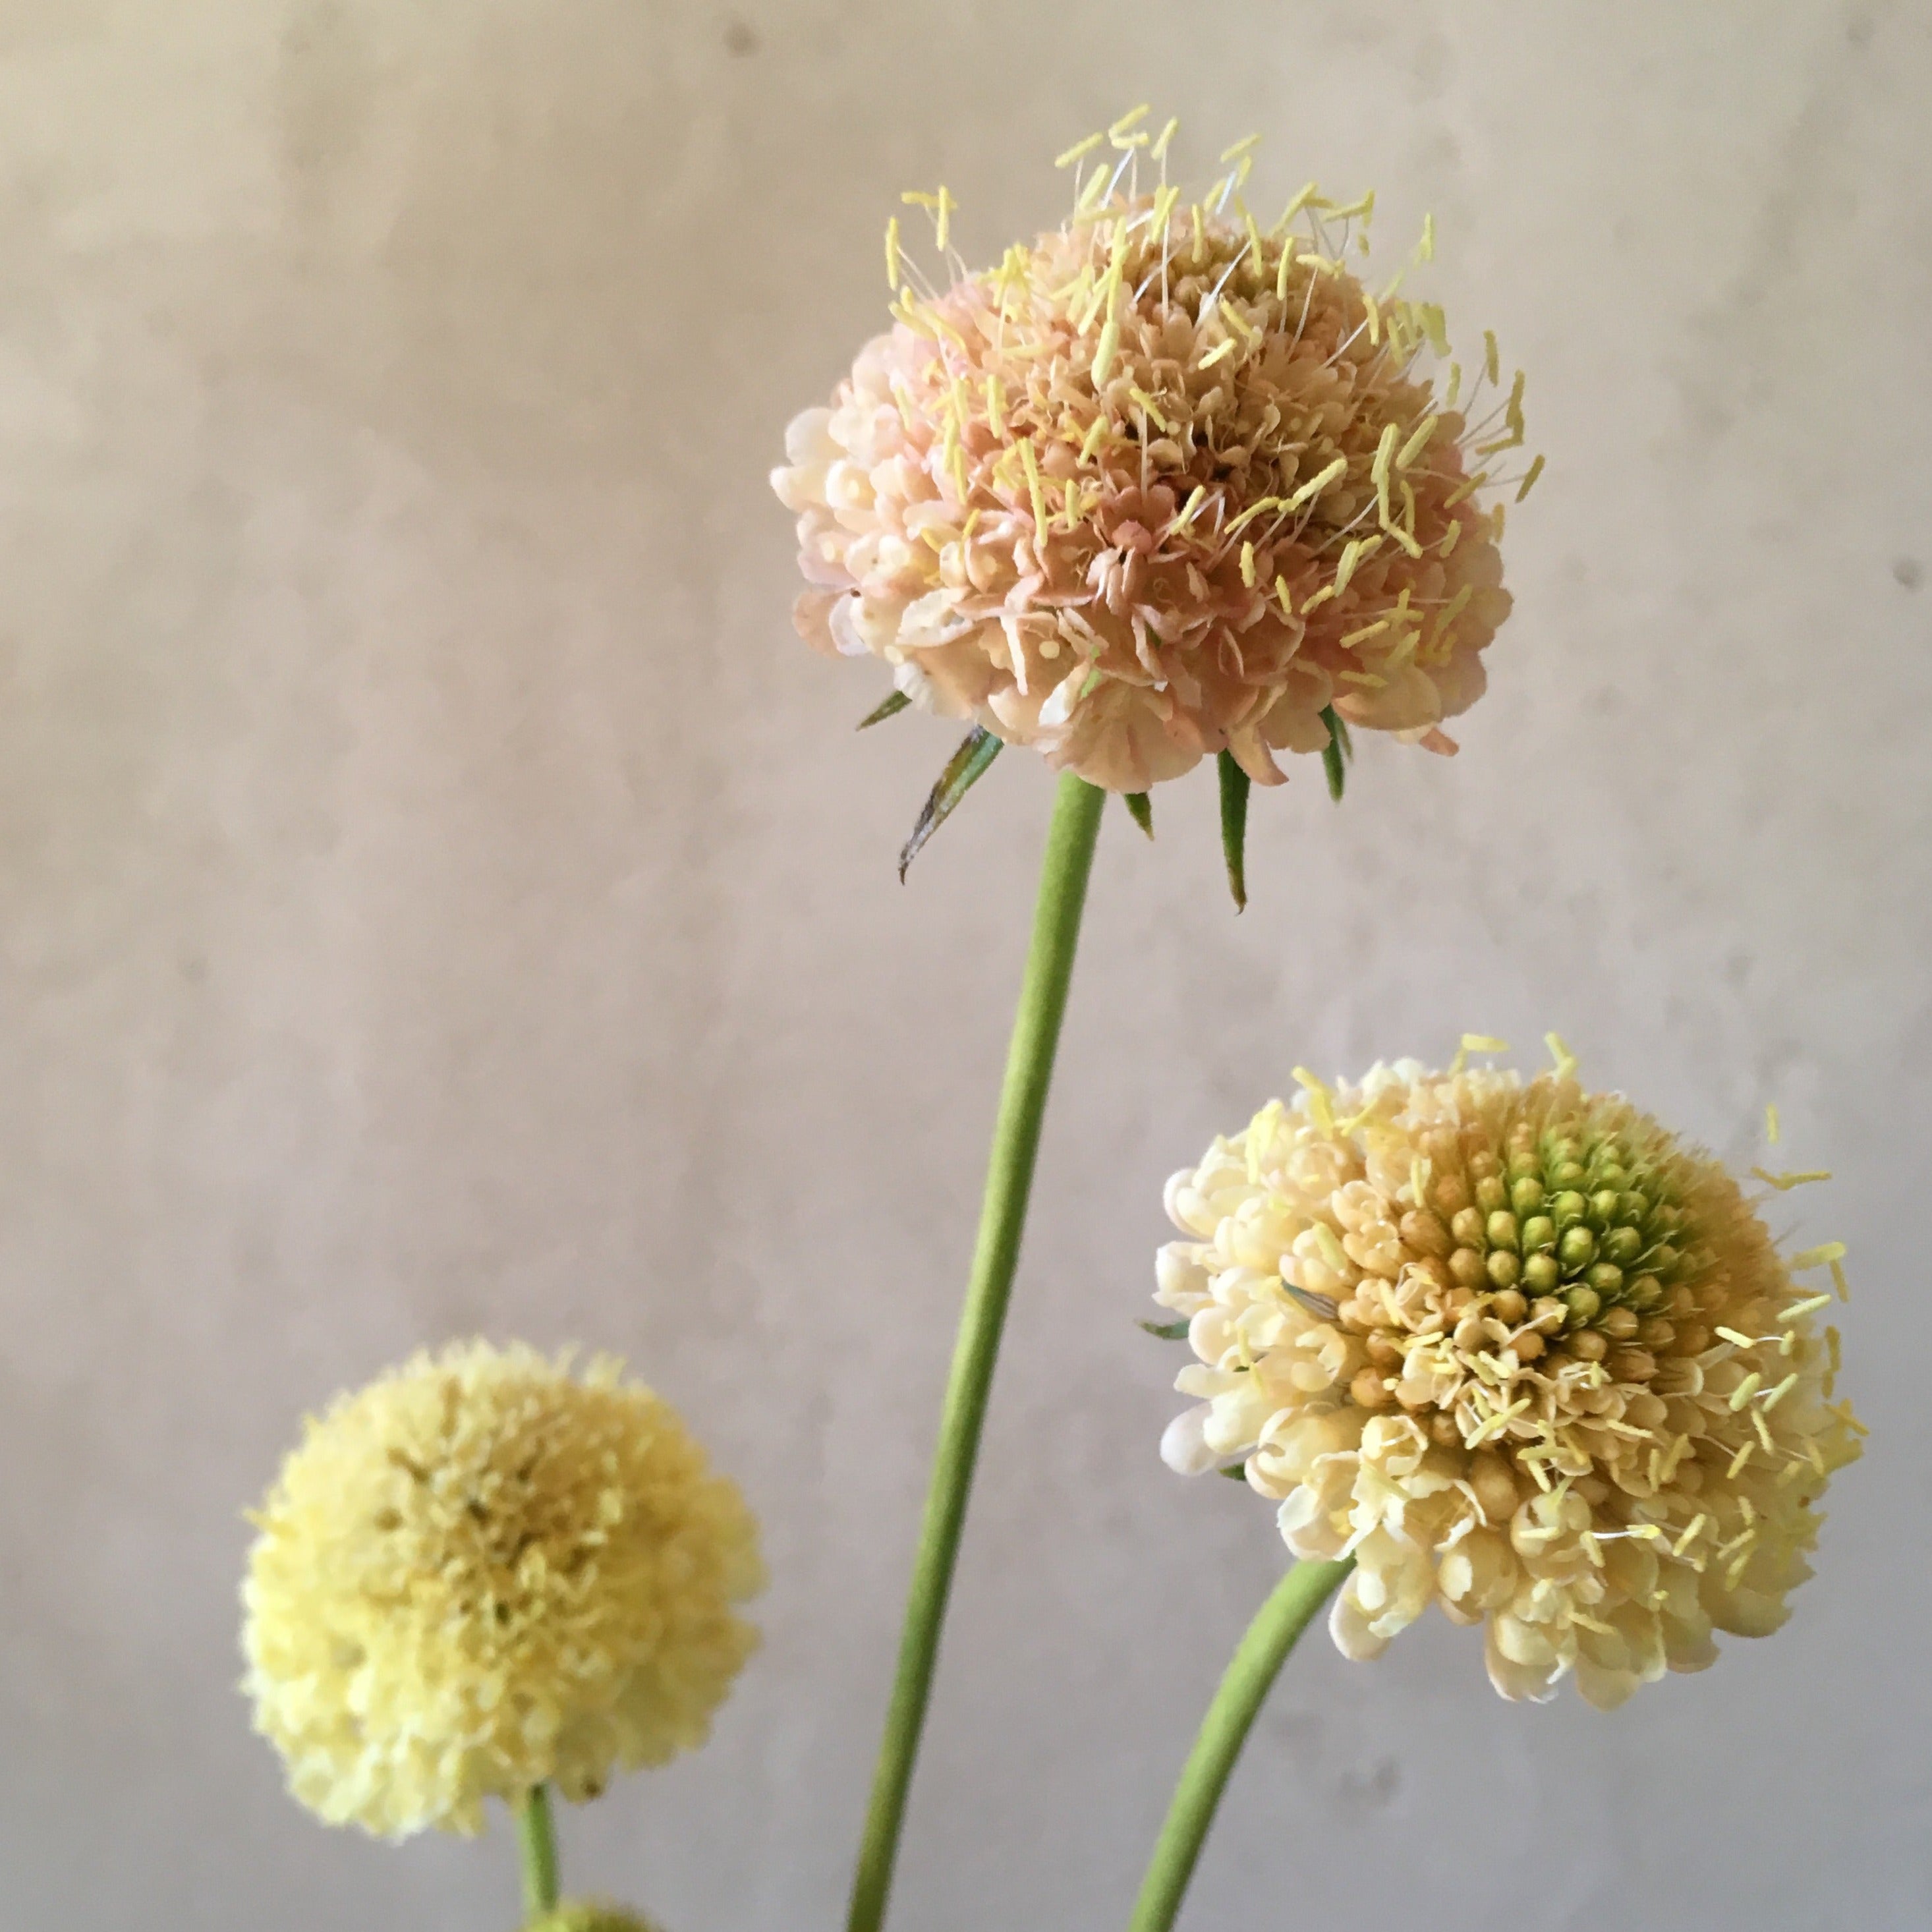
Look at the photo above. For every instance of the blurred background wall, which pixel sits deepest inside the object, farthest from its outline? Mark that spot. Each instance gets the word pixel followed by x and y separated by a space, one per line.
pixel 439 895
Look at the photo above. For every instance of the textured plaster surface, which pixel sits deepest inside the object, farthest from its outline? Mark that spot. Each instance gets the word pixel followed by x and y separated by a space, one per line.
pixel 437 894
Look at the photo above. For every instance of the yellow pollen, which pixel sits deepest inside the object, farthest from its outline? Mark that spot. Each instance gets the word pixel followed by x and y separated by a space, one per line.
pixel 1248 565
pixel 893 253
pixel 1281 597
pixel 1132 118
pixel 1770 1122
pixel 1745 1389
pixel 1773 1396
pixel 1691 1535
pixel 1810 1305
pixel 1079 150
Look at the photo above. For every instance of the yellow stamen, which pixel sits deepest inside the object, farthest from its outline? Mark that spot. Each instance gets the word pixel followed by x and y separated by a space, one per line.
pixel 893 276
pixel 1030 463
pixel 1744 1391
pixel 1077 151
pixel 1321 1110
pixel 1491 361
pixel 1825 1251
pixel 1566 1061
pixel 1529 477
pixel 1315 485
pixel 1784 1183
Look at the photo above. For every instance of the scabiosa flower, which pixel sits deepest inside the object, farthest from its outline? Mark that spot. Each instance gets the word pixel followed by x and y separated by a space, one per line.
pixel 481 1574
pixel 1163 484
pixel 590 1915
pixel 1522 1353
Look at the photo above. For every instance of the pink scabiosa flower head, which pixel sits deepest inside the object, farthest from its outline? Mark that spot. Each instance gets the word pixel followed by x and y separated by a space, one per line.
pixel 1519 1351
pixel 1164 484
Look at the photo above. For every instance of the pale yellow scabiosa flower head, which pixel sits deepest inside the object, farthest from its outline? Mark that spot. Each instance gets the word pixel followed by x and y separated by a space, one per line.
pixel 481 1574
pixel 1164 483
pixel 590 1915
pixel 1522 1353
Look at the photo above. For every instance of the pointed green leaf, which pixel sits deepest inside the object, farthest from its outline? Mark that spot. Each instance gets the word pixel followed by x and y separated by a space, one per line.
pixel 1166 1331
pixel 1238 1471
pixel 1335 753
pixel 890 706
pixel 1140 808
pixel 964 770
pixel 1235 785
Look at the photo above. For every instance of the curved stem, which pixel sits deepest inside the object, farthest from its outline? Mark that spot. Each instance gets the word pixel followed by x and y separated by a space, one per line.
pixel 536 1833
pixel 1262 1650
pixel 1049 968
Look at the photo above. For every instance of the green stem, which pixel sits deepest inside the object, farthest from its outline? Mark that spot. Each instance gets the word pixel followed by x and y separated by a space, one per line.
pixel 1262 1650
pixel 536 1832
pixel 1062 892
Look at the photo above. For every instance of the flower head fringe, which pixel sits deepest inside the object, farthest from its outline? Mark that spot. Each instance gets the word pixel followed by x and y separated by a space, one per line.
pixel 481 1574
pixel 1161 485
pixel 1523 1354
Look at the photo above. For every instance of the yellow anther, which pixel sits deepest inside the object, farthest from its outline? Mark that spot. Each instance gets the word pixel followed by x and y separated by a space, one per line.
pixel 1417 442
pixel 1426 250
pixel 1566 1061
pixel 1385 450
pixel 1784 1183
pixel 1321 1109
pixel 1352 552
pixel 1248 565
pixel 1030 463
pixel 1134 115
pixel 1316 484
pixel 1691 1535
pixel 1770 1122
pixel 1825 1251
pixel 1375 317
pixel 1744 1391
pixel 1839 1283
pixel 1242 148
pixel 1772 1397
pixel 1810 1305
pixel 1491 362
pixel 1159 150
pixel 893 276
pixel 1077 151
pixel 1529 477
pixel 1282 596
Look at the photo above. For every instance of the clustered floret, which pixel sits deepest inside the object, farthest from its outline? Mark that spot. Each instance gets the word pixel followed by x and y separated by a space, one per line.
pixel 1159 485
pixel 1519 1352
pixel 482 1574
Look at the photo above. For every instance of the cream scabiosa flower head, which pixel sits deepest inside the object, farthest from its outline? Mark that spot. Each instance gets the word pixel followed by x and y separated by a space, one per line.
pixel 1161 485
pixel 482 1574
pixel 1522 1354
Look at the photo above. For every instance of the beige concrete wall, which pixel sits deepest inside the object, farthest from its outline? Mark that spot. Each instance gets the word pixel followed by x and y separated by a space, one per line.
pixel 439 894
